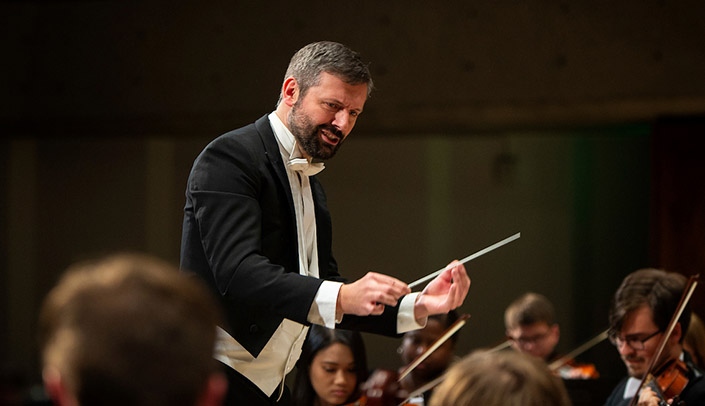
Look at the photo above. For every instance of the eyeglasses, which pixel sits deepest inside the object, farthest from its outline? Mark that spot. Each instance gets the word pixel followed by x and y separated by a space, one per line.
pixel 633 342
pixel 523 341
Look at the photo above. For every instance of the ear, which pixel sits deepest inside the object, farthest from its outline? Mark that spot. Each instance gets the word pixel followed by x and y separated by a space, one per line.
pixel 290 91
pixel 214 392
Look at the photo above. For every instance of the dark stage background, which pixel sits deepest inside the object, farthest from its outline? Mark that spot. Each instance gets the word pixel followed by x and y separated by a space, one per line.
pixel 577 123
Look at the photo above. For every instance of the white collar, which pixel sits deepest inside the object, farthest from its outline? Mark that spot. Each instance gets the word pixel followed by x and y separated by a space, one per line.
pixel 285 137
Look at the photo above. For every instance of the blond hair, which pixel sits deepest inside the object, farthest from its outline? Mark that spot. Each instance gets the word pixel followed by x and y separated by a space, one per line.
pixel 500 378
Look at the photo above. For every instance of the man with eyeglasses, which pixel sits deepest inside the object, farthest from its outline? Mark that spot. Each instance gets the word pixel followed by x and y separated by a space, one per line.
pixel 531 328
pixel 640 313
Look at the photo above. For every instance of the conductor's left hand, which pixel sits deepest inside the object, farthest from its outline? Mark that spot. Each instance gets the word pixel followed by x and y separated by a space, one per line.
pixel 445 293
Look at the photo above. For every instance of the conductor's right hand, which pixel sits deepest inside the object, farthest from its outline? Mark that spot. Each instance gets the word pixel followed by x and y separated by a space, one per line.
pixel 369 294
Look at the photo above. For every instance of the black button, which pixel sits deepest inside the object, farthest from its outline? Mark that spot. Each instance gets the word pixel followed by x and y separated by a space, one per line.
pixel 254 329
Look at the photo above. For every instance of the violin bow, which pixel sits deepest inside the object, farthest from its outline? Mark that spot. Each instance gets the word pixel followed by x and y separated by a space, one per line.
pixel 557 364
pixel 423 388
pixel 467 259
pixel 685 298
pixel 433 347
pixel 432 384
pixel 501 346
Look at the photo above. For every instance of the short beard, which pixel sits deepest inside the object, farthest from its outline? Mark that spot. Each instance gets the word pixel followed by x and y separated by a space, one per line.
pixel 306 135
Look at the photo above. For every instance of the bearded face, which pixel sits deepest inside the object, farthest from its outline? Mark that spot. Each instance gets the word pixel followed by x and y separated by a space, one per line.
pixel 322 116
pixel 319 141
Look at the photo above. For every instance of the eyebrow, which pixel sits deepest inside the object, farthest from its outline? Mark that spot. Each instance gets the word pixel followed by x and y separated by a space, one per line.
pixel 340 103
pixel 636 336
pixel 333 363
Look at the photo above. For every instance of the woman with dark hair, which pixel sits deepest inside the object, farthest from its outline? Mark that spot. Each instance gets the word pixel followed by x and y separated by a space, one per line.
pixel 332 365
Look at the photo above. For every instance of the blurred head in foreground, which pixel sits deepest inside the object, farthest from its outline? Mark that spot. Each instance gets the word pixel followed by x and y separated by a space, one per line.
pixel 129 329
pixel 500 378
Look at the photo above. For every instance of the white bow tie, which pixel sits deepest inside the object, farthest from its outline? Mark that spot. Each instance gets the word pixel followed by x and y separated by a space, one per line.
pixel 305 167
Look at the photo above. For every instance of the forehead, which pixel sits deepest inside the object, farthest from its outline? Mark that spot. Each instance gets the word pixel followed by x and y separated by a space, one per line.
pixel 639 320
pixel 332 88
pixel 336 353
pixel 540 327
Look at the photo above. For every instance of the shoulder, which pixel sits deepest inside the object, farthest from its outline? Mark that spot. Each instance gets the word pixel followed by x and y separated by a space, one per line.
pixel 236 155
pixel 251 137
pixel 616 397
pixel 695 391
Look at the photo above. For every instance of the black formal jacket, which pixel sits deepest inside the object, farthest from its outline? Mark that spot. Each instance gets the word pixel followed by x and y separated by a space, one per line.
pixel 692 395
pixel 239 235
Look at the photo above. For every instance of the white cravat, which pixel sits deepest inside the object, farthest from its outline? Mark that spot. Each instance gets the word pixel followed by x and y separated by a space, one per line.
pixel 302 165
pixel 306 213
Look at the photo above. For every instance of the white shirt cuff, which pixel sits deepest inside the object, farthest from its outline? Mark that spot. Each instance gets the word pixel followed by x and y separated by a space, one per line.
pixel 322 310
pixel 405 318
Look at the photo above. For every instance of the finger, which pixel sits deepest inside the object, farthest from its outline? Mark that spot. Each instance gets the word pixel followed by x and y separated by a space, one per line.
pixel 377 309
pixel 461 278
pixel 453 298
pixel 386 299
pixel 447 274
pixel 458 291
pixel 389 284
pixel 396 287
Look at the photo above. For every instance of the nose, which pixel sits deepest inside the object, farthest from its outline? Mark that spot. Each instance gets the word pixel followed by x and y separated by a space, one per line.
pixel 340 378
pixel 342 121
pixel 624 348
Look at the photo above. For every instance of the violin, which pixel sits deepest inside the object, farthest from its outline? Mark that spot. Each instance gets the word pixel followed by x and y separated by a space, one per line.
pixel 383 387
pixel 574 370
pixel 669 379
pixel 567 368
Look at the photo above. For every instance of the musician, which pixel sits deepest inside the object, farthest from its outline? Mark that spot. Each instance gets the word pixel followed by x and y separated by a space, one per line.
pixel 416 342
pixel 332 366
pixel 641 310
pixel 531 328
pixel 258 230
pixel 130 329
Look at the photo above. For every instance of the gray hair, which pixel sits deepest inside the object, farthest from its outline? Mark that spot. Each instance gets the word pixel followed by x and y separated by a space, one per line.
pixel 309 62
